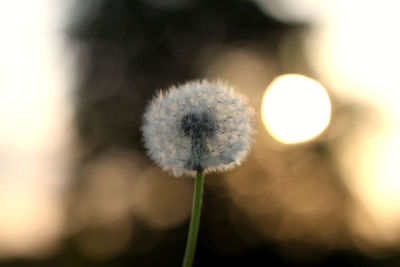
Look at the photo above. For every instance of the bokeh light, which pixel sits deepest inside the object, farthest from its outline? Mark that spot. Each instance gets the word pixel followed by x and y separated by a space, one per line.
pixel 295 108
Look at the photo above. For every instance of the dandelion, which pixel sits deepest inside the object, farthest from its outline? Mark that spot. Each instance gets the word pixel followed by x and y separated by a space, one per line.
pixel 197 127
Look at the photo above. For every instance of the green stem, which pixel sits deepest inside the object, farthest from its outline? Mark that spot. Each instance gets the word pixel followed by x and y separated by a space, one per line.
pixel 194 220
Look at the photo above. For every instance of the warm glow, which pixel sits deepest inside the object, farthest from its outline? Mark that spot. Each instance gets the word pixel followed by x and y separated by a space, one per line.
pixel 295 108
pixel 358 56
pixel 35 112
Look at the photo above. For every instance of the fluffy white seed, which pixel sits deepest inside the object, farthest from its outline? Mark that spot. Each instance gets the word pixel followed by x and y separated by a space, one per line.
pixel 199 125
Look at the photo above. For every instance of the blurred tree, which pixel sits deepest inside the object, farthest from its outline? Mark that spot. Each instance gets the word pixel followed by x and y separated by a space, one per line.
pixel 132 48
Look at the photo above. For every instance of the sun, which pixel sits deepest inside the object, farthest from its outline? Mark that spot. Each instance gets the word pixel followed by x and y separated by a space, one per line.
pixel 295 108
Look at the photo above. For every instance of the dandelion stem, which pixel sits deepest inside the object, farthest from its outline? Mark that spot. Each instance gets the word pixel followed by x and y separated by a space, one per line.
pixel 194 220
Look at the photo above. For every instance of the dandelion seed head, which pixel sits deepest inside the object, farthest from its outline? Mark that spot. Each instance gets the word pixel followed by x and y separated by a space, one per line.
pixel 199 125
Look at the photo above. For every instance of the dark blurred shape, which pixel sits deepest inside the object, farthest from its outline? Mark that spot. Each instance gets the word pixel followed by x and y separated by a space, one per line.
pixel 130 49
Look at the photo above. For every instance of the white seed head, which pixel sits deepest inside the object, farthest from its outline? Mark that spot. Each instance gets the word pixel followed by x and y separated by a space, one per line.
pixel 201 125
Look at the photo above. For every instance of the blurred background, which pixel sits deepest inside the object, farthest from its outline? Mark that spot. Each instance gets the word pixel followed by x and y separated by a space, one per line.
pixel 321 186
